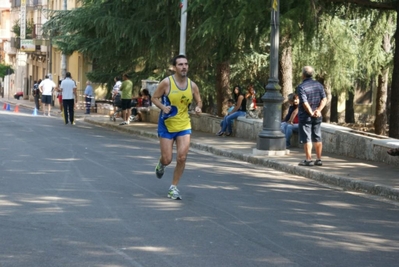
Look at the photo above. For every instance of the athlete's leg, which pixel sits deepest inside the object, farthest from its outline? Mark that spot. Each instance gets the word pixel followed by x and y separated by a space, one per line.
pixel 166 146
pixel 182 146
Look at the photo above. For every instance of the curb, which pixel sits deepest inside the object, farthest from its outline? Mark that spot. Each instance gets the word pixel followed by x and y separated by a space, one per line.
pixel 331 179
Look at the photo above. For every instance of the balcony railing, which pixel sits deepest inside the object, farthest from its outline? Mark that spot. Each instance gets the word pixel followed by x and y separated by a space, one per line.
pixel 9 49
pixel 37 31
pixel 15 42
pixel 15 3
pixel 33 3
pixel 29 3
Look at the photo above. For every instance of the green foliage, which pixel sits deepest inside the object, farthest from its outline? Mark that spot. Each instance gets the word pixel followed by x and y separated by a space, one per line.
pixel 139 37
pixel 5 70
pixel 16 28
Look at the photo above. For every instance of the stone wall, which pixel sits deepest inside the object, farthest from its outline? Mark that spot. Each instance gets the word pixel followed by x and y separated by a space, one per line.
pixel 336 139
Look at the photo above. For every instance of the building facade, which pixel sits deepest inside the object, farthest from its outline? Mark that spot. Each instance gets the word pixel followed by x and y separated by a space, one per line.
pixel 31 55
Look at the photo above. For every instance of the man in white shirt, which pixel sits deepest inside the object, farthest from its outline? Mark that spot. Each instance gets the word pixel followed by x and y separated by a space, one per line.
pixel 117 86
pixel 69 98
pixel 46 88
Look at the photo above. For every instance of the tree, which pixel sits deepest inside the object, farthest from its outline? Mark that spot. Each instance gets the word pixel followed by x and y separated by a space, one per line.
pixel 5 70
pixel 118 36
pixel 382 6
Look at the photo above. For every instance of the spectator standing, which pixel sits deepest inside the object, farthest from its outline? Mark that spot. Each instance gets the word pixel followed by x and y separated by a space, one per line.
pixel 69 98
pixel 116 88
pixel 36 93
pixel 312 99
pixel 59 96
pixel 290 122
pixel 173 96
pixel 239 110
pixel 88 94
pixel 126 89
pixel 46 88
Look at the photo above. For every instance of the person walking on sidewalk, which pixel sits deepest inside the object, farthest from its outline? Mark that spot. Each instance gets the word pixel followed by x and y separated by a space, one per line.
pixel 69 98
pixel 88 95
pixel 46 88
pixel 126 89
pixel 312 99
pixel 173 96
pixel 59 97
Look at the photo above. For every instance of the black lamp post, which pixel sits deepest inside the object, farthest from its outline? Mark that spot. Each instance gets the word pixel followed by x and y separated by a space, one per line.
pixel 271 138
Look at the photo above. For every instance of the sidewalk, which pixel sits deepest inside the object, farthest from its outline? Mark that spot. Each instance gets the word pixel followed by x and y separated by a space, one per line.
pixel 348 173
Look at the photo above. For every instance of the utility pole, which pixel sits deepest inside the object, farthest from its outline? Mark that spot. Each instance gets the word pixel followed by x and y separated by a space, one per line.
pixel 271 140
pixel 63 56
pixel 183 27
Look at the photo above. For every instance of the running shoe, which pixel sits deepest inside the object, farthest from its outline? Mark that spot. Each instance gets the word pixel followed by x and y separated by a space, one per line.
pixel 159 170
pixel 123 123
pixel 174 193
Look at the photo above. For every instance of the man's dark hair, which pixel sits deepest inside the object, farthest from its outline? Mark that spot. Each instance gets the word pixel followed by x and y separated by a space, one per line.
pixel 126 75
pixel 176 58
pixel 117 78
pixel 68 74
pixel 46 77
pixel 231 100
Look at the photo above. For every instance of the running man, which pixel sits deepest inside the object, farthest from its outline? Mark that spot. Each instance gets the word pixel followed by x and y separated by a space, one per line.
pixel 173 96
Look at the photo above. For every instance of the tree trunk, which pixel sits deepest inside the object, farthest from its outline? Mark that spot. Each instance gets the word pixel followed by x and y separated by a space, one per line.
pixel 286 73
pixel 349 109
pixel 334 109
pixel 380 121
pixel 394 108
pixel 222 87
pixel 326 112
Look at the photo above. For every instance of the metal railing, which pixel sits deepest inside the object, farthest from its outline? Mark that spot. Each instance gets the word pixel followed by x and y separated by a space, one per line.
pixel 16 42
pixel 37 31
pixel 15 3
pixel 29 3
pixel 9 49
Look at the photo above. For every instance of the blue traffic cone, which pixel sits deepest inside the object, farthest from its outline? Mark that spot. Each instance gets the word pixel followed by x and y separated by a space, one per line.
pixel 34 112
pixel 8 107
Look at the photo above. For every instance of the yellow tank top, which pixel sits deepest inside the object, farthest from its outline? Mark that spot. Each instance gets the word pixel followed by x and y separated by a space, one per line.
pixel 181 99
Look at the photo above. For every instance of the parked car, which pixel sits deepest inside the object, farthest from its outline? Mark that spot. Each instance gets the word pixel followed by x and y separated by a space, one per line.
pixel 18 95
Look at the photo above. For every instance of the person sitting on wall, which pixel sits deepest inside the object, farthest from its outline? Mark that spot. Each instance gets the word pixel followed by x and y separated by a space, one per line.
pixel 290 122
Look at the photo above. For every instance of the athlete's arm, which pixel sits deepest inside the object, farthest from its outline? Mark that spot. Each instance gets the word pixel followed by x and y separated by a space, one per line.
pixel 162 89
pixel 197 97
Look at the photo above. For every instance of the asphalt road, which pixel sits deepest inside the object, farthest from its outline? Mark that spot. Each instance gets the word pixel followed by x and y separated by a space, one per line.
pixel 87 196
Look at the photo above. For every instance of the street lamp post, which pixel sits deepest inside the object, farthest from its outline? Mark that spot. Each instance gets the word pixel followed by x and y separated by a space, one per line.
pixel 183 27
pixel 271 139
pixel 63 56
